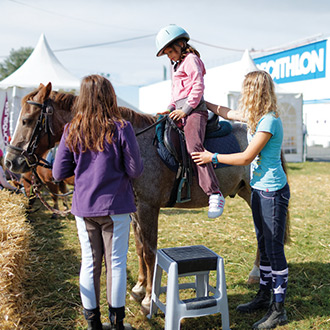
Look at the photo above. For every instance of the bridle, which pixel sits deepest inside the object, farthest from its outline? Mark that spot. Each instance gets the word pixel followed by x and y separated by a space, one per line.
pixel 44 124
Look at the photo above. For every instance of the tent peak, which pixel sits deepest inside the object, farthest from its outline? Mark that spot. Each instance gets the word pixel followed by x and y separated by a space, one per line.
pixel 42 66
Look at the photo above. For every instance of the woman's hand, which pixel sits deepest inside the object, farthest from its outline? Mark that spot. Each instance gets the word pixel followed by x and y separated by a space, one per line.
pixel 177 114
pixel 201 158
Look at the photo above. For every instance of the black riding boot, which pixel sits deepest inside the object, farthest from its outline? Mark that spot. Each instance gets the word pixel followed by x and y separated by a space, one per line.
pixel 262 300
pixel 116 316
pixel 93 318
pixel 275 316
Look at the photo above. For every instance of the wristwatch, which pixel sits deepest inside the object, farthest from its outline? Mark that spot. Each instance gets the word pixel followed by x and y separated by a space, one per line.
pixel 215 158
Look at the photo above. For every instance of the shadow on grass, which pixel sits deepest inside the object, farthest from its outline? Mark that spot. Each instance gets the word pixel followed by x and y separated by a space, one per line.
pixel 307 296
pixel 51 286
pixel 292 167
pixel 179 211
pixel 309 290
pixel 307 302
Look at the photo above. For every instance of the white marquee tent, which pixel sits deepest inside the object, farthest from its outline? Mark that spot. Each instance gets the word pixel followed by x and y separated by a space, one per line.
pixel 41 67
pixel 222 86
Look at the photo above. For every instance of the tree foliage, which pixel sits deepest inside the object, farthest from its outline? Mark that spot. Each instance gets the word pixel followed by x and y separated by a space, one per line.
pixel 15 59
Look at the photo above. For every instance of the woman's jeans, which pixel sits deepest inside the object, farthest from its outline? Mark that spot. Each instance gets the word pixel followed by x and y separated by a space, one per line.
pixel 269 210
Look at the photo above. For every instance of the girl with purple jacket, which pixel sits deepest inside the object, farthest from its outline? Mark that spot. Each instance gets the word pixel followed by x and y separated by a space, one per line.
pixel 101 150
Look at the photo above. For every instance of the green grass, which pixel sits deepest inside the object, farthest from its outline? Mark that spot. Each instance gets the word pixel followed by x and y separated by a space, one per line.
pixel 53 283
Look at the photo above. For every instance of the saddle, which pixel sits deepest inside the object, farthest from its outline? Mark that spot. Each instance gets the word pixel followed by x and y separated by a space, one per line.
pixel 171 147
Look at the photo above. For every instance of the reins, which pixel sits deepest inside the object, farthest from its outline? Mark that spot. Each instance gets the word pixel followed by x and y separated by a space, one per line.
pixel 151 126
pixel 38 194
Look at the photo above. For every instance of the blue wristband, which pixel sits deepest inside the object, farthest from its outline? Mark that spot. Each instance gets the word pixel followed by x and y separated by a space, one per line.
pixel 215 158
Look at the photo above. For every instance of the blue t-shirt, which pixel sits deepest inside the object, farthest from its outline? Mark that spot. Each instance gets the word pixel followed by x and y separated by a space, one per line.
pixel 266 170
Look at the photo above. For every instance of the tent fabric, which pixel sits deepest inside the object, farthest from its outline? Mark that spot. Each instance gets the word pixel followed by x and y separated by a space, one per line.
pixel 42 66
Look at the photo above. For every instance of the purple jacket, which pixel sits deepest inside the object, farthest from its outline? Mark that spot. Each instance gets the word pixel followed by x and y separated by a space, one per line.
pixel 102 179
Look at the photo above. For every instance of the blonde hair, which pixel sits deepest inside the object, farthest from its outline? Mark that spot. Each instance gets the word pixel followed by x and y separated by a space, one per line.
pixel 258 98
pixel 95 114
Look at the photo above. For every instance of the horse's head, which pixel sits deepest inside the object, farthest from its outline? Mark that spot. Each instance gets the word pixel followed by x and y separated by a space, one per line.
pixel 33 131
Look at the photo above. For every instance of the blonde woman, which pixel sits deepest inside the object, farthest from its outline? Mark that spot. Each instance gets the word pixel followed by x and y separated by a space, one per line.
pixel 270 190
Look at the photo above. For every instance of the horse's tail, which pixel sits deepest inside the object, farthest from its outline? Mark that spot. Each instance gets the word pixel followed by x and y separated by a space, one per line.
pixel 287 225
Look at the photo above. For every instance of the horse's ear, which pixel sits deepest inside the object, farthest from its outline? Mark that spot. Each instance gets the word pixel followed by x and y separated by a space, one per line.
pixel 44 92
pixel 41 86
pixel 48 89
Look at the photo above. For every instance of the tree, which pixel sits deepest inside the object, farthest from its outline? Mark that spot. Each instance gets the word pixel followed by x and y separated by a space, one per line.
pixel 15 59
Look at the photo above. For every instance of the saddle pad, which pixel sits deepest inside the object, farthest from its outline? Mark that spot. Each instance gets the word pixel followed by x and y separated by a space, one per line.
pixel 167 158
pixel 223 145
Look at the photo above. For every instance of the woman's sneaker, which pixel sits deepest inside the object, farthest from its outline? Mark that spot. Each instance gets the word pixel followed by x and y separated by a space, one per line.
pixel 216 205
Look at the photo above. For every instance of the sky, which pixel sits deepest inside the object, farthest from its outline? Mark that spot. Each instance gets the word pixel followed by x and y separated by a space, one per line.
pixel 117 37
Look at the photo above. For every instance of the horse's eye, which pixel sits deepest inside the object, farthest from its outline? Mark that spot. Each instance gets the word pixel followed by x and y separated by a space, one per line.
pixel 25 122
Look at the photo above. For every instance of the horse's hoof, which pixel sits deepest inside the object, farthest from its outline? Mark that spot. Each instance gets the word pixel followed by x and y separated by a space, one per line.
pixel 138 293
pixel 254 276
pixel 145 306
pixel 253 280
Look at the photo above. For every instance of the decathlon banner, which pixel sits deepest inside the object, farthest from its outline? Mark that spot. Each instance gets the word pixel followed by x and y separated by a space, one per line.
pixel 301 63
pixel 5 122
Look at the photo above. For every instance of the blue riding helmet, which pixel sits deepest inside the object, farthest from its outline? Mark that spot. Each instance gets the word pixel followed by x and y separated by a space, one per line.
pixel 167 35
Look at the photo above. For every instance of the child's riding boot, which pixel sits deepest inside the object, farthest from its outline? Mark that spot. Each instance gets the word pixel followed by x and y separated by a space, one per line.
pixel 93 318
pixel 116 316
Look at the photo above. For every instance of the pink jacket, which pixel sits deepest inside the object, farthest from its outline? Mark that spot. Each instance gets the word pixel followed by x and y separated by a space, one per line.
pixel 188 83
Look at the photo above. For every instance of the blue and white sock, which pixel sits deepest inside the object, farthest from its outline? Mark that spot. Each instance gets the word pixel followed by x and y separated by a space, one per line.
pixel 280 284
pixel 265 277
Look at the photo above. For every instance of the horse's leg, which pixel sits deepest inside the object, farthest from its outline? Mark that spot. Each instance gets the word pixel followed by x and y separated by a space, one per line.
pixel 254 274
pixel 138 291
pixel 64 190
pixel 146 231
pixel 26 181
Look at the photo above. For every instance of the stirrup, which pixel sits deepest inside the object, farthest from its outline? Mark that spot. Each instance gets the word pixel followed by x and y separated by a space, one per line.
pixel 179 199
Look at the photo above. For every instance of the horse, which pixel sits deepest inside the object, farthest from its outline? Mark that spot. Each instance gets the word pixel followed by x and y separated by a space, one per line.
pixel 45 180
pixel 152 189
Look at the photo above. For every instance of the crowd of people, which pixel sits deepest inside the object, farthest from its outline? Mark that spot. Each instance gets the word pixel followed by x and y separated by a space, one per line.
pixel 98 140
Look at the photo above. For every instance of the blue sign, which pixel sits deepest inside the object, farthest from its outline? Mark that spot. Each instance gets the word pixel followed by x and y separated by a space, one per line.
pixel 301 63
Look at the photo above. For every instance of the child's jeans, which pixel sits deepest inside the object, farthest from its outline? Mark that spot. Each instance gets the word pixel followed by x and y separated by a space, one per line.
pixel 194 130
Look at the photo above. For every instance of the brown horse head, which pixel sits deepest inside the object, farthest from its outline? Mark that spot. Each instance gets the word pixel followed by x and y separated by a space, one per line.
pixel 37 130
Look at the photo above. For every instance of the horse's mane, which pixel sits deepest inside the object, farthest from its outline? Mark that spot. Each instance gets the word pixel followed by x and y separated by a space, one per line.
pixel 65 99
pixel 137 119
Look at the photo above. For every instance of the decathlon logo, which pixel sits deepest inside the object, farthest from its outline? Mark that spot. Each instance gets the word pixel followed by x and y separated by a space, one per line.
pixel 301 63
